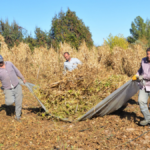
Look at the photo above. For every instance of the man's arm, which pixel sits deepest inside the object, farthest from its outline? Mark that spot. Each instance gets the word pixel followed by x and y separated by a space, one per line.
pixel 140 70
pixel 78 61
pixel 18 73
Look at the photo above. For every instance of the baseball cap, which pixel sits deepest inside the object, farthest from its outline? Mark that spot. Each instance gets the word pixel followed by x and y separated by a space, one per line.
pixel 1 58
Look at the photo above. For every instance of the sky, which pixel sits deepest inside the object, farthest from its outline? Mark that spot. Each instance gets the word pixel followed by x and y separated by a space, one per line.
pixel 101 16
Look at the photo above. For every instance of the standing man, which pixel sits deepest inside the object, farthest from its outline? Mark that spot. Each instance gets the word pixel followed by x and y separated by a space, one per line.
pixel 144 93
pixel 70 63
pixel 10 83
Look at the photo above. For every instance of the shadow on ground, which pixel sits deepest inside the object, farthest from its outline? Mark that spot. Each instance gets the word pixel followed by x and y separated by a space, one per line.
pixel 10 110
pixel 132 101
pixel 129 115
pixel 35 110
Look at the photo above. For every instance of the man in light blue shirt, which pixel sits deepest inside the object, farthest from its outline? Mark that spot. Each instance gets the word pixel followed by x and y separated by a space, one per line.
pixel 70 63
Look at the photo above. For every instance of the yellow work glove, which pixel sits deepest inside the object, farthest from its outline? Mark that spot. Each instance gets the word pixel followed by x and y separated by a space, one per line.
pixel 135 77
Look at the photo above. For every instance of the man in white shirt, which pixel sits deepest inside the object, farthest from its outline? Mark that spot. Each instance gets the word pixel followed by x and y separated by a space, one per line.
pixel 70 63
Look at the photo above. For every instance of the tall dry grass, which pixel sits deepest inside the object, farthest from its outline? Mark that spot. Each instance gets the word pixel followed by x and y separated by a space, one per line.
pixel 45 63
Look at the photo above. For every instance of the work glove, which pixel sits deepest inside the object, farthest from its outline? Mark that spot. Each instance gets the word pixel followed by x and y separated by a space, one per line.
pixel 135 77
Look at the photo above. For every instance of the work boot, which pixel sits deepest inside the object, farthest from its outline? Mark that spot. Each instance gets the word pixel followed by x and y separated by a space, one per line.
pixel 144 122
pixel 18 119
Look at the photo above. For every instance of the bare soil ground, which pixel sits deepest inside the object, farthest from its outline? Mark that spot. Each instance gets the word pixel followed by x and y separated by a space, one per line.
pixel 109 132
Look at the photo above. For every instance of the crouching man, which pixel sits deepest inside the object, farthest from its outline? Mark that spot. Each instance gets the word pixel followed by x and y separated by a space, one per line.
pixel 10 83
pixel 70 63
pixel 144 92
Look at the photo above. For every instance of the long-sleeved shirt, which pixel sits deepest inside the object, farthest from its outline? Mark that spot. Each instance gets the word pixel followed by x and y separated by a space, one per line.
pixel 72 64
pixel 145 72
pixel 9 75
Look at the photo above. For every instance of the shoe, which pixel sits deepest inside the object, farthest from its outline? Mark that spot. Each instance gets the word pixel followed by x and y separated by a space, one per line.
pixel 144 122
pixel 18 119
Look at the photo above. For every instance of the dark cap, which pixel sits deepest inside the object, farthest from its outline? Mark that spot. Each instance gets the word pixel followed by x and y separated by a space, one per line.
pixel 1 58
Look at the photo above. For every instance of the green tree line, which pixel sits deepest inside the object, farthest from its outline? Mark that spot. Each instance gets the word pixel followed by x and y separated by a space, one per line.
pixel 140 34
pixel 140 31
pixel 66 27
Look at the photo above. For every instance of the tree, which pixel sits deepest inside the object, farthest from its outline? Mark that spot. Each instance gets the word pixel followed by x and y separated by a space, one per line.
pixel 31 41
pixel 41 37
pixel 67 27
pixel 139 30
pixel 13 33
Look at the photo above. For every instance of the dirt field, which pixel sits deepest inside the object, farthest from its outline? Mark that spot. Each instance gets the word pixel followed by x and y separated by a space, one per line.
pixel 109 132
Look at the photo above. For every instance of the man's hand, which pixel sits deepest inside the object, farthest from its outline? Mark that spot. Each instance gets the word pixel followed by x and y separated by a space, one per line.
pixel 135 77
pixel 24 81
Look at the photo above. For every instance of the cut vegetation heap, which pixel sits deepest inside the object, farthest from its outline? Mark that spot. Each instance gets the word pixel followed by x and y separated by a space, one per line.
pixel 78 92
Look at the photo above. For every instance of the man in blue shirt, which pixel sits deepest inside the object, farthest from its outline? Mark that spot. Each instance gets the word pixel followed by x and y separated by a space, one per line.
pixel 70 63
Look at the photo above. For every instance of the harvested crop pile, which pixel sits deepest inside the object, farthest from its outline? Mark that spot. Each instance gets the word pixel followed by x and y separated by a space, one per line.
pixel 78 91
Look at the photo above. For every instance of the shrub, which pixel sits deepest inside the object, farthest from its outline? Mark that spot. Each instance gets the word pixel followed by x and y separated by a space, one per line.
pixel 117 40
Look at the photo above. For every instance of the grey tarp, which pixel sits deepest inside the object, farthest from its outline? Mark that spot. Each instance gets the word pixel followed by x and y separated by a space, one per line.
pixel 30 87
pixel 114 101
pixel 110 104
